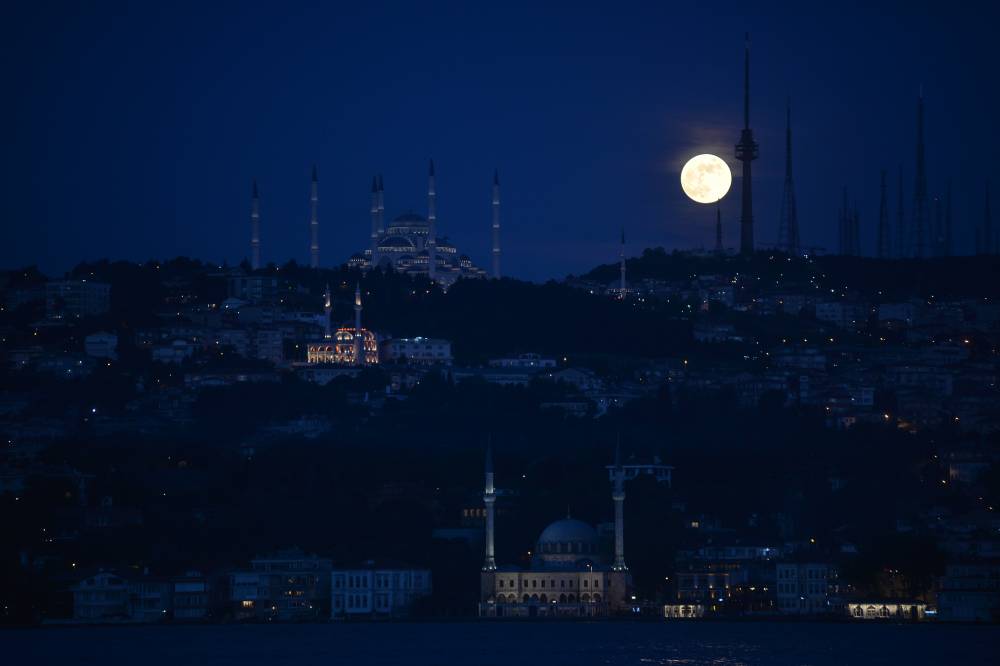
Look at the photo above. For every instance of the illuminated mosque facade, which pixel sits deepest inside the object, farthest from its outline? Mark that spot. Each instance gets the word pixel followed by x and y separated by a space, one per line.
pixel 410 242
pixel 347 345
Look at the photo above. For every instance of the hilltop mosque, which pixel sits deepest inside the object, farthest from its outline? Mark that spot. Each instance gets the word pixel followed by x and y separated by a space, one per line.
pixel 410 243
pixel 568 575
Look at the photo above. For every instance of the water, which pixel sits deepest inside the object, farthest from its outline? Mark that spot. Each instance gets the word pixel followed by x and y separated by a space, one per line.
pixel 507 644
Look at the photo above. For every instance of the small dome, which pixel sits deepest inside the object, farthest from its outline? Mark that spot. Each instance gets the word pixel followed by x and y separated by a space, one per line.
pixel 568 530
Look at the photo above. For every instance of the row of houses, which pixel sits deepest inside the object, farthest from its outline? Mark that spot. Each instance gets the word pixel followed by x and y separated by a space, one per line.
pixel 724 581
pixel 285 586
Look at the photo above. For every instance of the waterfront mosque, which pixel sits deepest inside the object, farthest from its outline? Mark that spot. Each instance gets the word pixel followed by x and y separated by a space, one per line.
pixel 569 576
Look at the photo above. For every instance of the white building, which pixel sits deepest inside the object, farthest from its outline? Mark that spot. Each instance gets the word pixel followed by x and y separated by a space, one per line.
pixel 806 589
pixel 101 345
pixel 379 591
pixel 100 597
pixel 886 610
pixel 418 351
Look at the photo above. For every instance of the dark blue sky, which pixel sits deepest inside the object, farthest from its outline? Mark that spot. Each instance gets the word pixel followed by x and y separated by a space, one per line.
pixel 133 130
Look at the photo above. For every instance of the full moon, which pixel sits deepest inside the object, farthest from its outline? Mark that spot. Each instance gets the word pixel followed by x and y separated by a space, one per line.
pixel 706 178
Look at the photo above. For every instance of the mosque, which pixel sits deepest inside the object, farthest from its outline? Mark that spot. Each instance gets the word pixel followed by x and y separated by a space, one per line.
pixel 410 243
pixel 568 576
pixel 348 345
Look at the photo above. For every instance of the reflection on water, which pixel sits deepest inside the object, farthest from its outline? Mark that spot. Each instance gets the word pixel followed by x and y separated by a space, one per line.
pixel 507 644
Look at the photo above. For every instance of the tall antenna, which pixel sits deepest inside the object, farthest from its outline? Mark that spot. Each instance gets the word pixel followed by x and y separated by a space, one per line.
pixel 746 152
pixel 788 223
pixel 919 229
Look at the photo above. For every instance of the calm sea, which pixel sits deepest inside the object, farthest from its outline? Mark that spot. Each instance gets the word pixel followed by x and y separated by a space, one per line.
pixel 507 644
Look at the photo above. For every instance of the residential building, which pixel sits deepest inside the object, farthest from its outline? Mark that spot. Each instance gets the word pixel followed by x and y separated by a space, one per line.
pixel 67 299
pixel 805 588
pixel 101 597
pixel 101 345
pixel 288 585
pixel 417 351
pixel 970 592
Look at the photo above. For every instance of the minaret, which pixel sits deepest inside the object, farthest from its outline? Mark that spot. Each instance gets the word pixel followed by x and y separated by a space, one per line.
pixel 381 205
pixel 621 261
pixel 431 224
pixel 327 310
pixel 937 247
pixel 314 221
pixel 359 347
pixel 919 229
pixel 489 499
pixel 718 229
pixel 844 226
pixel 882 249
pixel 255 228
pixel 900 220
pixel 788 223
pixel 373 249
pixel 856 231
pixel 618 495
pixel 746 152
pixel 496 225
pixel 947 249
pixel 989 247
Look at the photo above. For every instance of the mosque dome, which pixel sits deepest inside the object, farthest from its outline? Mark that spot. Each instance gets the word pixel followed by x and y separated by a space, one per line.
pixel 410 218
pixel 567 541
pixel 568 530
pixel 397 243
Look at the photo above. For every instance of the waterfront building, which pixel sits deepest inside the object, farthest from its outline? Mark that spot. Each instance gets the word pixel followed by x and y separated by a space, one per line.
pixel 101 597
pixel 289 585
pixel 377 591
pixel 880 609
pixel 805 588
pixel 568 576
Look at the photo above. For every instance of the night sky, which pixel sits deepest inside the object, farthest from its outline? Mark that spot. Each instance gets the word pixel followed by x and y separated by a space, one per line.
pixel 133 130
